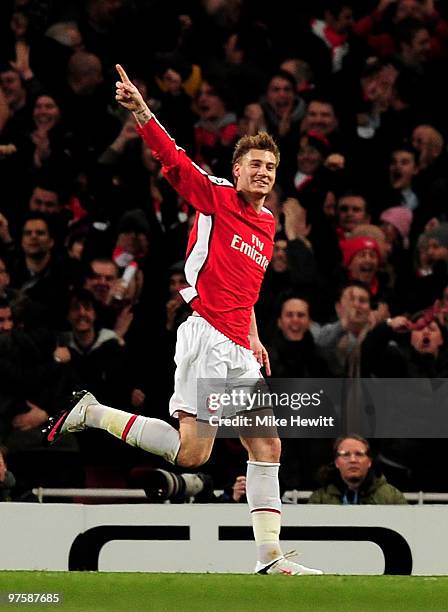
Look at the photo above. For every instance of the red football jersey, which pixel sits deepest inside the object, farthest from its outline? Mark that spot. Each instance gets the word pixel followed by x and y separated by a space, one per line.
pixel 229 247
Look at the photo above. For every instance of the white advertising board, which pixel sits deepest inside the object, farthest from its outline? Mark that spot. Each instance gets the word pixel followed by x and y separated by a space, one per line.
pixel 218 538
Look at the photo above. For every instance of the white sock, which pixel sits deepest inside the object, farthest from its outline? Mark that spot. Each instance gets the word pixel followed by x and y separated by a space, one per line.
pixel 152 435
pixel 263 496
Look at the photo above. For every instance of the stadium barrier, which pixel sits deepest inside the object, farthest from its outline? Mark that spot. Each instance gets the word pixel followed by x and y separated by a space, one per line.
pixel 218 537
pixel 289 497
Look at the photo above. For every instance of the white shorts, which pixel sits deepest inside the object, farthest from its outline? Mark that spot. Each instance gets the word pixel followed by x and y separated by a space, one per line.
pixel 202 352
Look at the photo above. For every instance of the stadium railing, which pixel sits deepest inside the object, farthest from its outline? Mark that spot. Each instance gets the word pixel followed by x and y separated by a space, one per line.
pixel 289 497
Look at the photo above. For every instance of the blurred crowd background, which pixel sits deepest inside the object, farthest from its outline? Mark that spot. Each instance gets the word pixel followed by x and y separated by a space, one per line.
pixel 92 238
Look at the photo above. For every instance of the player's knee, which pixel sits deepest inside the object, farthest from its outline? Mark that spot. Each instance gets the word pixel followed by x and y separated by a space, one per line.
pixel 193 459
pixel 272 448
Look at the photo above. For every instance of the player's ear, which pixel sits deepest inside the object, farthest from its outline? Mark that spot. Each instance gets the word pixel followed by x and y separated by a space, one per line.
pixel 236 170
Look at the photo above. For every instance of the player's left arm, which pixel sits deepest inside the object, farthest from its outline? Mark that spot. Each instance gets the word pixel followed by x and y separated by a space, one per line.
pixel 258 349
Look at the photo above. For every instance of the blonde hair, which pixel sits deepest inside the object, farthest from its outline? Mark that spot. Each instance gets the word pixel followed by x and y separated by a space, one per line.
pixel 261 141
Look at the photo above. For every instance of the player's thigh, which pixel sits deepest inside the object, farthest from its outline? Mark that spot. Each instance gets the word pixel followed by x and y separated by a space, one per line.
pixel 200 369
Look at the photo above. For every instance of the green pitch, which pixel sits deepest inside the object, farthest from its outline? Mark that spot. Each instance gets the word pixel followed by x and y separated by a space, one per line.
pixel 136 592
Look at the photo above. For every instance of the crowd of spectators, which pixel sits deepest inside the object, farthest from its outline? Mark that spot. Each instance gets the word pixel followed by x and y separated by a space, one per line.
pixel 92 237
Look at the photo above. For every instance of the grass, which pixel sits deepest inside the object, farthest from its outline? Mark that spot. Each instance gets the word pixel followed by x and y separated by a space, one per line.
pixel 228 592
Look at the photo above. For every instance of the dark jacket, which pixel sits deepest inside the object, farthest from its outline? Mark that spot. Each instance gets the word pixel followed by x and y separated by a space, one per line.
pixel 296 358
pixel 374 490
pixel 102 368
pixel 28 372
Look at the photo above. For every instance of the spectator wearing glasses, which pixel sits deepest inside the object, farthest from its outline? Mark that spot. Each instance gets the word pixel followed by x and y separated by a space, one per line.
pixel 351 479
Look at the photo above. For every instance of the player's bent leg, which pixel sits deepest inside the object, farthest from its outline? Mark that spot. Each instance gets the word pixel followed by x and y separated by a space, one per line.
pixel 194 450
pixel 263 496
pixel 84 411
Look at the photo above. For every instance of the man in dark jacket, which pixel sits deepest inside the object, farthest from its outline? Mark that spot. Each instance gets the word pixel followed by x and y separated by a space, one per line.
pixel 293 354
pixel 352 479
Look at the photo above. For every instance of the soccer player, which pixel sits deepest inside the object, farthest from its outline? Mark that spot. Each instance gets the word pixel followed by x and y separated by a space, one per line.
pixel 229 250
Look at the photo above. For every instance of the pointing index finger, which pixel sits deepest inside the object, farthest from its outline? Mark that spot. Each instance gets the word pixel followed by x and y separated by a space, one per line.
pixel 123 76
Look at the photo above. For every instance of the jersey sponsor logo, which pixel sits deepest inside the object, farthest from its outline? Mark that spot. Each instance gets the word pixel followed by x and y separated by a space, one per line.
pixel 249 250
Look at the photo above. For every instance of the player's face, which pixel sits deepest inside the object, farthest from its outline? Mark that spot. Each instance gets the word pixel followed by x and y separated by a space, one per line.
pixel 255 173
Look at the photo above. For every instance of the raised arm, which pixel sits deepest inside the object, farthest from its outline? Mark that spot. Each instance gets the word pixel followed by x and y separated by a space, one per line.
pixel 191 182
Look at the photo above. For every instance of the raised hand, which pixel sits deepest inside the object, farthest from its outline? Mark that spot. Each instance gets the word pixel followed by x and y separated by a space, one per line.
pixel 295 220
pixel 400 324
pixel 22 61
pixel 129 96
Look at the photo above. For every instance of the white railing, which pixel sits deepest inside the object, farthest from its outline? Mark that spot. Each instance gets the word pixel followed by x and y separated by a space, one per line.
pixel 42 492
pixel 419 497
pixel 289 497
